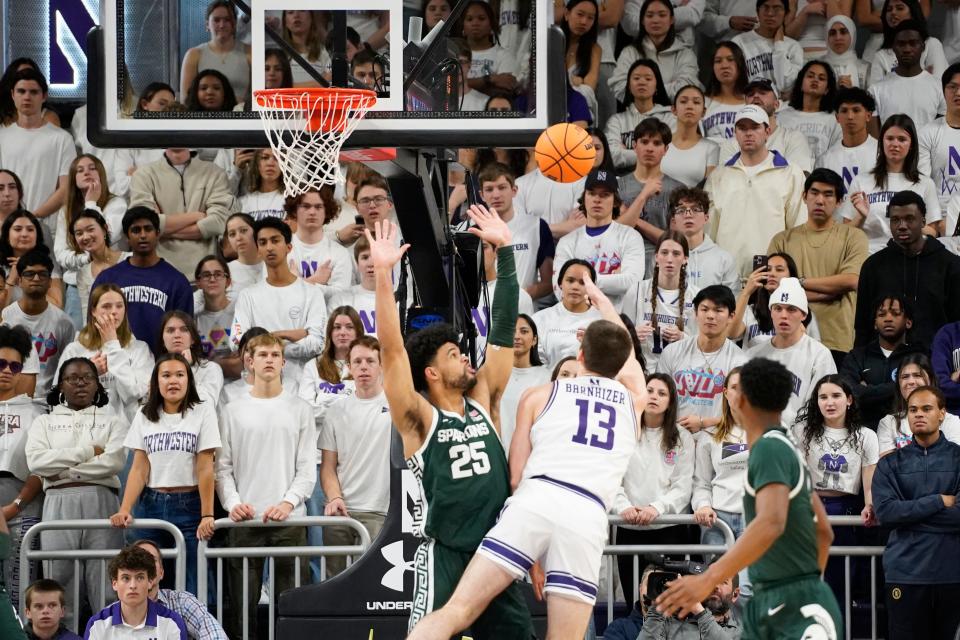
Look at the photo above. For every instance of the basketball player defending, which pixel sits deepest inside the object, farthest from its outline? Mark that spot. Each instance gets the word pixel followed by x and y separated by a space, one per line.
pixel 787 537
pixel 573 442
pixel 450 442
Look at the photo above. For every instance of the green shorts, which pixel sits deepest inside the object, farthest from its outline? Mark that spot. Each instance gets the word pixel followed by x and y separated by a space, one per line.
pixel 437 570
pixel 803 608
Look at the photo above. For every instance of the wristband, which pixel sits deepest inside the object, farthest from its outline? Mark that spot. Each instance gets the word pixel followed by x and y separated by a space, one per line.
pixel 334 498
pixel 208 516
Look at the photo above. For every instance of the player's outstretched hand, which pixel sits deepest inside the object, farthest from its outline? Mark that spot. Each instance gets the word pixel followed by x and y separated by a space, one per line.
pixel 490 228
pixel 383 245
pixel 683 595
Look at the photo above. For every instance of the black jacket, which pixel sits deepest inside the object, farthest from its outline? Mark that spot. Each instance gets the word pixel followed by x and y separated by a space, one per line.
pixel 873 378
pixel 930 280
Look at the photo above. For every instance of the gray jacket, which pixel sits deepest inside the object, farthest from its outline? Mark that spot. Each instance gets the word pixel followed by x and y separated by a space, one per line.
pixel 699 627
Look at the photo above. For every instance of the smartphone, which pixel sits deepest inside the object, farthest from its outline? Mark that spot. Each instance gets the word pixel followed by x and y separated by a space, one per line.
pixel 759 262
pixel 358 220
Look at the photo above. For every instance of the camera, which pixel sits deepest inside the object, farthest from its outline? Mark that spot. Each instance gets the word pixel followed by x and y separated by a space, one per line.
pixel 668 571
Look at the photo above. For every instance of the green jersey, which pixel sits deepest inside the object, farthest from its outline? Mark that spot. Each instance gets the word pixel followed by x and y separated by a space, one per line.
pixel 464 480
pixel 775 460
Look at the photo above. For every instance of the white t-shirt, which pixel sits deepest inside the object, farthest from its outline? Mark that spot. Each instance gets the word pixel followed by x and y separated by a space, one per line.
pixel 920 97
pixel 617 253
pixel 719 119
pixel 557 328
pixel 540 196
pixel 363 300
pixel 820 128
pixel 359 430
pixel 214 328
pixel 699 376
pixel 520 381
pixel 16 416
pixel 492 61
pixel 50 333
pixel 307 258
pixel 877 225
pixel 720 470
pixel 849 162
pixel 260 205
pixel 39 157
pixel 322 64
pixel 689 166
pixel 473 100
pixel 638 306
pixel 173 442
pixel 893 436
pixel 527 232
pixel 777 61
pixel 807 361
pixel 244 275
pixel 837 458
pixel 940 159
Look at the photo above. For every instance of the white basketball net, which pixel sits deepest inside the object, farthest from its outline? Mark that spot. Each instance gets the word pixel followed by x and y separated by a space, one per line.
pixel 309 159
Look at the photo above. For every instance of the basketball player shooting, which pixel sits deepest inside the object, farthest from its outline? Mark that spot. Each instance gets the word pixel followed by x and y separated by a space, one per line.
pixel 573 442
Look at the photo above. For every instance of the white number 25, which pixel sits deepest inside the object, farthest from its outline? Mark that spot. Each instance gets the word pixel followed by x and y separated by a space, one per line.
pixel 468 460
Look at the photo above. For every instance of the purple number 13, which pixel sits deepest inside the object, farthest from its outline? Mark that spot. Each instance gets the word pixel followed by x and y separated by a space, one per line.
pixel 603 440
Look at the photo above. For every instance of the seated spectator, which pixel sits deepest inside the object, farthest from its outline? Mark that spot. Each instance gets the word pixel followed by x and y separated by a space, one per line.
pixel 123 363
pixel 20 234
pixel 173 439
pixel 178 334
pixel 896 169
pixel 316 257
pixel 938 143
pixel 361 297
pixel 714 617
pixel 615 250
pixel 806 23
pixel 150 284
pixel 277 73
pixel 707 264
pixel 132 574
pixel 914 490
pixel 356 453
pixel 528 371
pixel 470 98
pixel 45 610
pixel 156 97
pixel 755 194
pixel 856 152
pixel 644 97
pixel 267 425
pixel 580 26
pixel 810 110
pixel 368 69
pixel 945 357
pixel 841 53
pixel 894 430
pixel 481 313
pixel 690 156
pixel 646 191
pixel 199 622
pixel 662 307
pixel 659 479
pixel 89 234
pixel 37 151
pixel 841 454
pixel 911 264
pixel 264 187
pixel 11 193
pixel 805 358
pixel 726 90
pixel 78 451
pixel 871 369
pixel 789 143
pixel 885 61
pixel 223 53
pixel 628 628
pixel 87 189
pixel 829 257
pixel 560 326
pixel 8 107
pixel 700 363
pixel 50 329
pixel 372 196
pixel 210 91
pixel 556 203
pixel 20 496
pixel 493 67
pixel 288 306
pixel 247 268
pixel 770 55
pixel 909 89
pixel 306 32
pixel 214 319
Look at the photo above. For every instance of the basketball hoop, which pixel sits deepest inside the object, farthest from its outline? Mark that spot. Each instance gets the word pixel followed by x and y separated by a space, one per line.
pixel 307 128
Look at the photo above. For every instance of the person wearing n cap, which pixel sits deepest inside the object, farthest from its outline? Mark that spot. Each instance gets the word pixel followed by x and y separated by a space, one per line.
pixel 806 359
pixel 789 143
pixel 754 195
pixel 615 250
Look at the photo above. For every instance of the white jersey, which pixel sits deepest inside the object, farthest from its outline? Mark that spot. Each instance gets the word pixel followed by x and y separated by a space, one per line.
pixel 584 438
pixel 940 160
pixel 877 225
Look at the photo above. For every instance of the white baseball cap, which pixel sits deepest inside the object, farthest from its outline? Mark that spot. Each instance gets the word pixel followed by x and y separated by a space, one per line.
pixel 790 292
pixel 753 113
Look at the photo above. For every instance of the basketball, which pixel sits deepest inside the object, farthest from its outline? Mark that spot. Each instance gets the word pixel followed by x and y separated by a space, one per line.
pixel 565 152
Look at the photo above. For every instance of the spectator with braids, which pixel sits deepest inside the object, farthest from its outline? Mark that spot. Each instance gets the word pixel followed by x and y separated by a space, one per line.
pixel 662 307
pixel 894 431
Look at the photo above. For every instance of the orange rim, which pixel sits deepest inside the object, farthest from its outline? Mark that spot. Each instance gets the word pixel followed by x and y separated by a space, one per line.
pixel 326 104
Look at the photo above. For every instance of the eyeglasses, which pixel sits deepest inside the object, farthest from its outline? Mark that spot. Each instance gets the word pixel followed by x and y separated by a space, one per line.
pixel 687 211
pixel 212 275
pixel 35 275
pixel 14 366
pixel 75 380
pixel 377 200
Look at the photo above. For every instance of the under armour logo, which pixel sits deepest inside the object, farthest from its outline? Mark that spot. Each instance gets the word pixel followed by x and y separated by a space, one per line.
pixel 393 578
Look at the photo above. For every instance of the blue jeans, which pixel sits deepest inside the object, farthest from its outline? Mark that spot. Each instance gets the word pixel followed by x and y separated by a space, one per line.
pixel 714 536
pixel 181 510
pixel 315 504
pixel 71 306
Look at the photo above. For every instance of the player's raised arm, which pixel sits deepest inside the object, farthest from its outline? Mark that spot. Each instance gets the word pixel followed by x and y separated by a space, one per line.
pixel 498 364
pixel 410 412
pixel 631 375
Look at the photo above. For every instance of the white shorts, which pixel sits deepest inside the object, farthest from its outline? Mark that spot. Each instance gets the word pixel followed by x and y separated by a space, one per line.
pixel 565 531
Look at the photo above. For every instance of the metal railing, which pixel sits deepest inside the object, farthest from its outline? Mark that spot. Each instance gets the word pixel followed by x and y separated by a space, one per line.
pixel 77 556
pixel 848 552
pixel 271 554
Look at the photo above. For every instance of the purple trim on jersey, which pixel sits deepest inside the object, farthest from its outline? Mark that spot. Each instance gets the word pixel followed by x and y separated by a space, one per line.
pixel 580 491
pixel 510 554
pixel 553 395
pixel 569 581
